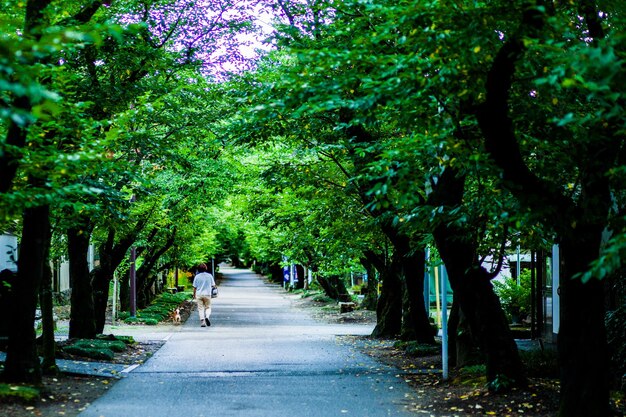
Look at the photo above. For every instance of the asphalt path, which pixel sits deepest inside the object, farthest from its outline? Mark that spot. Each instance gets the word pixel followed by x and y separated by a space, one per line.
pixel 261 357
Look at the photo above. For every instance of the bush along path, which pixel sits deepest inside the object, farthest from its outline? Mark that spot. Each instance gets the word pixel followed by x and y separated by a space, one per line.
pixel 161 309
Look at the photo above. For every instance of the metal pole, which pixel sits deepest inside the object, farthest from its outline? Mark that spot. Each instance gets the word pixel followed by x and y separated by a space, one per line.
pixel 133 283
pixel 427 282
pixel 556 302
pixel 114 313
pixel 213 267
pixel 437 297
pixel 444 322
pixel 518 268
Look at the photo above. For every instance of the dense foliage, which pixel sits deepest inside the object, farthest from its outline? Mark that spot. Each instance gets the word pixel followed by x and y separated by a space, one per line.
pixel 361 134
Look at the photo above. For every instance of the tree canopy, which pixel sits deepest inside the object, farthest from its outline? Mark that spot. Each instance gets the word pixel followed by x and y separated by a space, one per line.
pixel 356 136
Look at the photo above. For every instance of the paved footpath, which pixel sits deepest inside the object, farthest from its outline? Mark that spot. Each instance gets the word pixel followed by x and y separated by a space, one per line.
pixel 261 357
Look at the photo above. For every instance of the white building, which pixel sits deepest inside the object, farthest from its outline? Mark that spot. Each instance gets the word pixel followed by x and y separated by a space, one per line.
pixel 8 252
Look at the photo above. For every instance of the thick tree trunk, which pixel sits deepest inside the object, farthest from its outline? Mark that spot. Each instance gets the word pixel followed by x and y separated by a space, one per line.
pixel 22 361
pixel 125 292
pixel 583 352
pixel 486 319
pixel 462 347
pixel 467 351
pixel 82 318
pixel 48 365
pixel 111 256
pixel 276 273
pixel 389 308
pixel 100 280
pixel 415 325
pixel 334 287
pixel 7 283
pixel 578 220
pixel 473 290
pixel 301 277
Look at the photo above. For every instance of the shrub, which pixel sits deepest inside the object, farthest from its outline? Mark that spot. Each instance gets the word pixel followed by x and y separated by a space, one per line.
pixel 114 345
pixel 91 353
pixel 321 298
pixel 515 298
pixel 142 320
pixel 473 370
pixel 357 289
pixel 21 393
pixel 471 376
pixel 416 349
pixel 616 335
pixel 159 310
pixel 128 340
pixel 540 363
pixel 100 348
pixel 309 293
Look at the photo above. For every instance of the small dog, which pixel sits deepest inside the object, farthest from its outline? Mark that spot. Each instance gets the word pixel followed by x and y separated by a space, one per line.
pixel 176 315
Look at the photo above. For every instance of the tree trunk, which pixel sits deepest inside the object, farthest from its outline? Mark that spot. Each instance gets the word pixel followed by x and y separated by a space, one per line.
pixel 415 325
pixel 48 365
pixel 22 361
pixel 125 292
pixel 7 283
pixel 486 319
pixel 100 280
pixel 472 288
pixel 578 219
pixel 466 350
pixel 301 277
pixel 111 256
pixel 371 295
pixel 151 256
pixel 389 308
pixel 334 287
pixel 583 352
pixel 82 318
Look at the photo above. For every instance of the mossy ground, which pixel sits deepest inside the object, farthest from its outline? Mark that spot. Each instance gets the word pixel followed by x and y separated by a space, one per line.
pixel 98 349
pixel 19 393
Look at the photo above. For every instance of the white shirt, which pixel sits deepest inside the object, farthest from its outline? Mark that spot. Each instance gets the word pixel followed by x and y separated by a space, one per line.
pixel 203 282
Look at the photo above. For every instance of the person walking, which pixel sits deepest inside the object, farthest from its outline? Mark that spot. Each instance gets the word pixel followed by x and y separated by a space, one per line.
pixel 203 284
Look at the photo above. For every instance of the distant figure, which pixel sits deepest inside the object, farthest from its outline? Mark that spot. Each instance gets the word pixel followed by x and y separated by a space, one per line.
pixel 203 284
